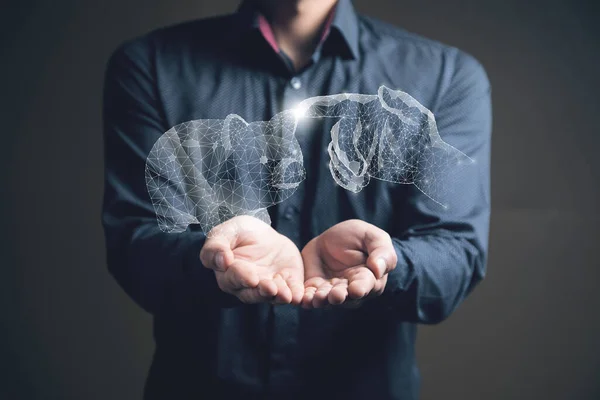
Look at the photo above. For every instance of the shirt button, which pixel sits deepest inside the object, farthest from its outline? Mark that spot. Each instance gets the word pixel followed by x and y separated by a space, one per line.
pixel 289 213
pixel 296 83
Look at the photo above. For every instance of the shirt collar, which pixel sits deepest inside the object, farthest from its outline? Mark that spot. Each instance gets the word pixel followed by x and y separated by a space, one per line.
pixel 345 22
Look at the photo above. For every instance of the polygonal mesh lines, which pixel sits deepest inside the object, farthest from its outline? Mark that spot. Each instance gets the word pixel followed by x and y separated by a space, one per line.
pixel 207 171
pixel 389 136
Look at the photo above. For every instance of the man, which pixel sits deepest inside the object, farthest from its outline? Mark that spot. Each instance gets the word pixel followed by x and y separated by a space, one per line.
pixel 324 303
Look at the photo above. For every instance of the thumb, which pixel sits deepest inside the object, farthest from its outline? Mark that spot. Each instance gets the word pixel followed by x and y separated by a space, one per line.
pixel 382 255
pixel 216 253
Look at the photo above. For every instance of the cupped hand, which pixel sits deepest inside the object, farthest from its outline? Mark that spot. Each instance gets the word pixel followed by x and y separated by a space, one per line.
pixel 254 262
pixel 346 264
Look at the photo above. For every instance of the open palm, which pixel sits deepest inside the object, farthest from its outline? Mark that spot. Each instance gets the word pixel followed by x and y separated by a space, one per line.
pixel 346 263
pixel 256 264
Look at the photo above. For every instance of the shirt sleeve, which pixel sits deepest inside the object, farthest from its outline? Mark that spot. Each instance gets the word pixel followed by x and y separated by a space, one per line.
pixel 442 252
pixel 157 270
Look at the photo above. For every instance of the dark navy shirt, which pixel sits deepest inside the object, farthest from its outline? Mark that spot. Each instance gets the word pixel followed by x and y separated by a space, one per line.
pixel 208 344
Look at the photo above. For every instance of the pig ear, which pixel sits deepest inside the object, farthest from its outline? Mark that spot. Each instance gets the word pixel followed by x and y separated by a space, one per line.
pixel 235 121
pixel 383 90
pixel 385 96
pixel 396 101
pixel 232 126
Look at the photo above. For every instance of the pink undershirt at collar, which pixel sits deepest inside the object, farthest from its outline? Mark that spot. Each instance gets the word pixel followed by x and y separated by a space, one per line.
pixel 267 32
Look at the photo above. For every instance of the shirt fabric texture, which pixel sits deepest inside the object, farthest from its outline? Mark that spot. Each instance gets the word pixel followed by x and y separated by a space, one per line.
pixel 208 344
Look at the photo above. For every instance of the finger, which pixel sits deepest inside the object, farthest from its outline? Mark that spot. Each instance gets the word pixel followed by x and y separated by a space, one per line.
pixel 314 282
pixel 267 288
pixel 338 294
pixel 307 299
pixel 320 298
pixel 379 286
pixel 249 296
pixel 297 289
pixel 382 261
pixel 382 254
pixel 310 288
pixel 216 253
pixel 241 275
pixel 284 294
pixel 360 285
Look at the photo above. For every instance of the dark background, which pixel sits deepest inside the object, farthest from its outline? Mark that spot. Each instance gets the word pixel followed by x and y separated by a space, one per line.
pixel 530 331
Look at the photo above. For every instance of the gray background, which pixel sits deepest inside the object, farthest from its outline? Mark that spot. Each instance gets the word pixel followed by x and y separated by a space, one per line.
pixel 530 331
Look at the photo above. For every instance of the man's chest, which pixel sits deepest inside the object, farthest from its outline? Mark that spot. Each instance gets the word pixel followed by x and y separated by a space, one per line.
pixel 191 89
pixel 207 86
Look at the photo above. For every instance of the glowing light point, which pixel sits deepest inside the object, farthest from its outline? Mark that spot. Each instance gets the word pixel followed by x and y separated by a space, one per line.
pixel 299 111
